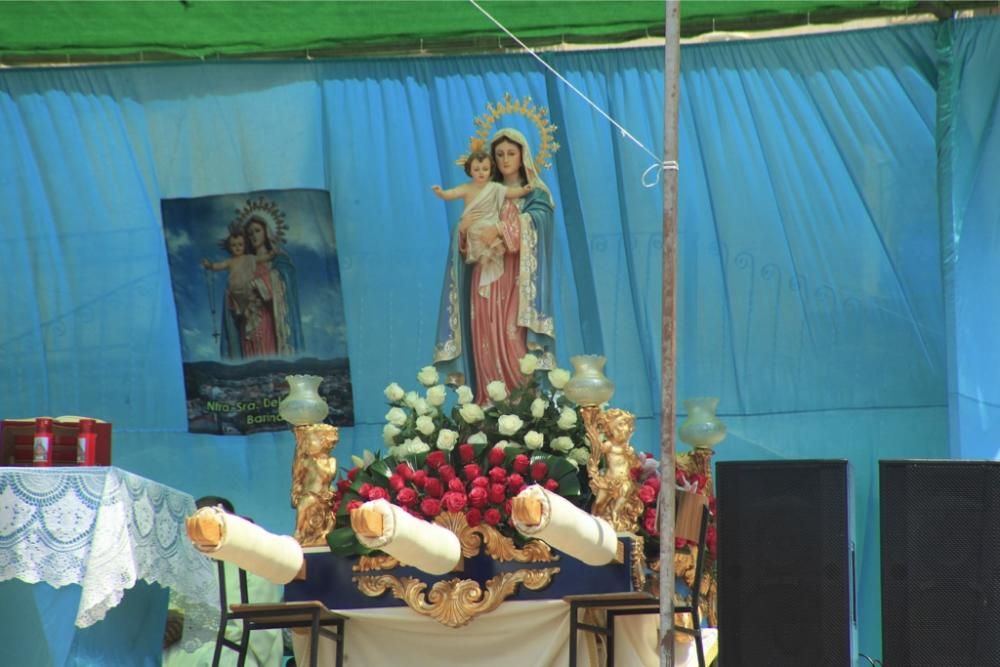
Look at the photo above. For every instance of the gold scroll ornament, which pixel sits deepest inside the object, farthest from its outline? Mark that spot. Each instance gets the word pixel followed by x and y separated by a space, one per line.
pixel 455 602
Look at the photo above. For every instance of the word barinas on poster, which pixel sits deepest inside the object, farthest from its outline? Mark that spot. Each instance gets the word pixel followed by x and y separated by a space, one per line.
pixel 256 281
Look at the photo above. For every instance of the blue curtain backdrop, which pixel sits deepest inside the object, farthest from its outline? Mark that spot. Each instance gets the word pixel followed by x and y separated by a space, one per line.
pixel 835 283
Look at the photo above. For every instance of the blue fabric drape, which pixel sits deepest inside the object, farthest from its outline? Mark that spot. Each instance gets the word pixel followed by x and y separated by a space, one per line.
pixel 810 285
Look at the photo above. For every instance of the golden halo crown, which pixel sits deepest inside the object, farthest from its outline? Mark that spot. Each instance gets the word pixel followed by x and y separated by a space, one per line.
pixel 525 107
pixel 266 211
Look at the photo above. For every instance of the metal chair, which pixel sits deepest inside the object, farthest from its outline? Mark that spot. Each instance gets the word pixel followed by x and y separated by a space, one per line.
pixel 269 616
pixel 629 604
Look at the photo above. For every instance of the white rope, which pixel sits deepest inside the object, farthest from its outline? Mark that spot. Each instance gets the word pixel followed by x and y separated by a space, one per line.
pixel 657 167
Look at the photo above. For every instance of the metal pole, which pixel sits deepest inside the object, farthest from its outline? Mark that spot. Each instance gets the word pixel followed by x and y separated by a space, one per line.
pixel 668 339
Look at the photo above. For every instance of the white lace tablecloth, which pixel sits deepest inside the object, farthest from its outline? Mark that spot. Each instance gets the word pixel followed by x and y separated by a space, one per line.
pixel 105 529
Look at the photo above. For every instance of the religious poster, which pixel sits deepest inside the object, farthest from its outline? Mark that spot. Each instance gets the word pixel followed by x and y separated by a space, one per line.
pixel 256 280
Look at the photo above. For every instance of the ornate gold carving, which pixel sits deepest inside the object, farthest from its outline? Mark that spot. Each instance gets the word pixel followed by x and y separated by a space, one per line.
pixel 638 562
pixel 488 538
pixel 312 473
pixel 616 494
pixel 374 563
pixel 455 602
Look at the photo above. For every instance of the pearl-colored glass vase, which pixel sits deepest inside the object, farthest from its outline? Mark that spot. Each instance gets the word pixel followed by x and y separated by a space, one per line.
pixel 303 405
pixel 589 386
pixel 702 429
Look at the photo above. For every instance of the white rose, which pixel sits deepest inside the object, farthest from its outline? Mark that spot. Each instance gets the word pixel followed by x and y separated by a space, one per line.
pixel 496 390
pixel 534 440
pixel 416 446
pixel 420 407
pixel 509 424
pixel 428 376
pixel 464 395
pixel 425 425
pixel 567 419
pixel 538 408
pixel 394 392
pixel 580 455
pixel 397 452
pixel 410 398
pixel 396 416
pixel 471 413
pixel 558 378
pixel 447 439
pixel 478 439
pixel 528 364
pixel 389 433
pixel 436 395
pixel 562 444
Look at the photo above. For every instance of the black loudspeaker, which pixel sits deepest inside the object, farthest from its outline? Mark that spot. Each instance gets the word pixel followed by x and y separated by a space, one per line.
pixel 786 564
pixel 940 563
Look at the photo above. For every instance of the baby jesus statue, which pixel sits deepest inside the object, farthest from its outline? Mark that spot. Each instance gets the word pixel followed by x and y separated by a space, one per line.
pixel 483 199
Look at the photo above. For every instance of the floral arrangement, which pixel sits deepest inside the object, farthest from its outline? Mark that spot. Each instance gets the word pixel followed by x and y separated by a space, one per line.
pixel 446 453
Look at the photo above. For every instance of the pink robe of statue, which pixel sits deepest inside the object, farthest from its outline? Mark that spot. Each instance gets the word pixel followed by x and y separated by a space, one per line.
pixel 498 342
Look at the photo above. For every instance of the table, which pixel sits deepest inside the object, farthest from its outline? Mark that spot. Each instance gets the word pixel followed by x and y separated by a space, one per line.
pixel 88 558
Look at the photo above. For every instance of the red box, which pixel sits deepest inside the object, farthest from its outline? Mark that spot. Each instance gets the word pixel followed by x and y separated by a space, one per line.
pixel 17 437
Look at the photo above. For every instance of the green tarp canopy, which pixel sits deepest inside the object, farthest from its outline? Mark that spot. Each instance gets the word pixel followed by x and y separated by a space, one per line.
pixel 76 31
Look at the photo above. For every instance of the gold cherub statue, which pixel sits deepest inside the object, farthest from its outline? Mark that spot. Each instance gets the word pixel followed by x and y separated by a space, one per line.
pixel 312 474
pixel 616 496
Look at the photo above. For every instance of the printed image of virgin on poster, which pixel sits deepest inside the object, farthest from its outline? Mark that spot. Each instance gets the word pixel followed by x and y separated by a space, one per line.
pixel 256 281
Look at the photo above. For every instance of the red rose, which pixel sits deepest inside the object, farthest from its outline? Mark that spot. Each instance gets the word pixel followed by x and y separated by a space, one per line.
pixel 430 506
pixel 711 505
pixel 515 482
pixel 414 512
pixel 406 496
pixel 456 484
pixel 471 471
pixel 354 504
pixel 635 472
pixel 649 523
pixel 647 494
pixel 433 487
pixel 405 471
pixel 498 475
pixel 506 507
pixel 552 485
pixel 496 456
pixel 650 512
pixel 478 496
pixel 474 517
pixel 481 481
pixel 521 463
pixel 654 482
pixel 396 482
pixel 454 501
pixel 497 494
pixel 352 473
pixel 419 478
pixel 539 469
pixel 700 481
pixel 344 485
pixel 446 473
pixel 712 542
pixel 492 516
pixel 335 506
pixel 365 489
pixel 466 453
pixel 378 493
pixel 436 459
